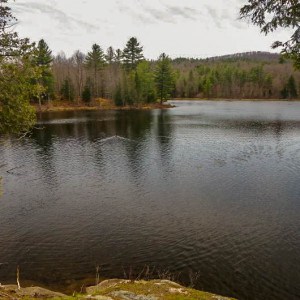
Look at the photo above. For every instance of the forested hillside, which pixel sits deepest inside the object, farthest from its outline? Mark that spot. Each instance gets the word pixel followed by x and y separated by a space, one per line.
pixel 249 75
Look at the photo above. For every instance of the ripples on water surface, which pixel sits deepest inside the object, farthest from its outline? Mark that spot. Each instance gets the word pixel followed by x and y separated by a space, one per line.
pixel 208 187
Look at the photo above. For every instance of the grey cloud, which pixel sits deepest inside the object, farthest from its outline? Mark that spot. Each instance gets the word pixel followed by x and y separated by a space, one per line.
pixel 167 14
pixel 213 13
pixel 61 17
pixel 223 18
pixel 135 15
pixel 159 15
pixel 184 12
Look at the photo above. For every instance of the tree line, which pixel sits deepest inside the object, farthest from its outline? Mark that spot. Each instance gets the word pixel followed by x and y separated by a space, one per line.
pixel 128 78
pixel 122 75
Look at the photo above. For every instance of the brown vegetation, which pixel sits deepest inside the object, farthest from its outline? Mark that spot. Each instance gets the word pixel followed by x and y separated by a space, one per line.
pixel 99 104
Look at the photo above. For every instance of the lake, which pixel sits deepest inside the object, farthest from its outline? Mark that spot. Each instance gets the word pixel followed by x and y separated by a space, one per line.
pixel 209 188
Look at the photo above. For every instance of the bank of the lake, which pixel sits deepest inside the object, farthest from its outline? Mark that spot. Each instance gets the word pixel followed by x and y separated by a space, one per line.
pixel 114 289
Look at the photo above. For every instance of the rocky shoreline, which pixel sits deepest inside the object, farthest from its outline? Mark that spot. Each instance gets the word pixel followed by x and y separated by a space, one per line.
pixel 114 289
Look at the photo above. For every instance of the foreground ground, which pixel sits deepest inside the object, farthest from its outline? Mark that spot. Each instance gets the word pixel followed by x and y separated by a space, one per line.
pixel 114 289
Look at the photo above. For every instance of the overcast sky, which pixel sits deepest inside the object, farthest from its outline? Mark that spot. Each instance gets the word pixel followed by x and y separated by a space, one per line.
pixel 191 28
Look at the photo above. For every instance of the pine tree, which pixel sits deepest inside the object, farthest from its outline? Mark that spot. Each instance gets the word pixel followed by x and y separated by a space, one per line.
pixel 43 59
pixel 118 99
pixel 67 90
pixel 110 54
pixel 118 56
pixel 145 85
pixel 164 77
pixel 132 54
pixel 95 61
pixel 86 94
pixel 291 85
pixel 290 89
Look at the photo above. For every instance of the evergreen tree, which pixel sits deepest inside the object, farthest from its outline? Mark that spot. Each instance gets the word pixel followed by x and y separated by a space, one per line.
pixel 43 59
pixel 132 54
pixel 95 61
pixel 43 56
pixel 67 90
pixel 110 54
pixel 118 56
pixel 291 86
pixel 118 99
pixel 144 82
pixel 290 89
pixel 164 77
pixel 86 94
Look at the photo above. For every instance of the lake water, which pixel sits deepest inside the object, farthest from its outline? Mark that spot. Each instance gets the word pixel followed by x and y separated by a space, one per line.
pixel 206 188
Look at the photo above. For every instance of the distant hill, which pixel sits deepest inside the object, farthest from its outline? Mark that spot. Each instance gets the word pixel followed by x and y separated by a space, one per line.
pixel 244 56
pixel 254 55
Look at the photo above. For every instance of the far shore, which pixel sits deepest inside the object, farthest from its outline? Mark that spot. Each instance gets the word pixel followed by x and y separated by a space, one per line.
pixel 107 105
pixel 99 104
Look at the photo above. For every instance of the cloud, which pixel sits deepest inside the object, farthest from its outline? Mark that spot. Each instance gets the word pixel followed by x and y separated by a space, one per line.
pixel 148 14
pixel 140 17
pixel 57 15
pixel 184 12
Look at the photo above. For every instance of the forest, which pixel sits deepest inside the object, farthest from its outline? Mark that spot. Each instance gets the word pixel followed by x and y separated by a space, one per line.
pixel 128 78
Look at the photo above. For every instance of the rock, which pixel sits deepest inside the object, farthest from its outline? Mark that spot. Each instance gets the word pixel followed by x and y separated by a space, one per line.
pixel 178 291
pixel 125 295
pixel 33 292
pixel 104 285
pixel 168 282
pixel 98 297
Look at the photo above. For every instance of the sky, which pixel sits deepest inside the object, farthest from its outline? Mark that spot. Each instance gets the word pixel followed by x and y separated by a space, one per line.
pixel 189 28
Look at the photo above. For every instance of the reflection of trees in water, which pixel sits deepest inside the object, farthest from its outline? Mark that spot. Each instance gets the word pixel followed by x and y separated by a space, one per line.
pixel 95 125
pixel 43 139
pixel 125 131
pixel 135 125
pixel 164 137
pixel 97 128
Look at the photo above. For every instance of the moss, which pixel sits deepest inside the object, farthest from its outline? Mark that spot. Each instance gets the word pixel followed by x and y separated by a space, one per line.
pixel 159 289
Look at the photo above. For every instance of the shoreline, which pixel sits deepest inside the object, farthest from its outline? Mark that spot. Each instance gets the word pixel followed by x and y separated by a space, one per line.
pixel 114 289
